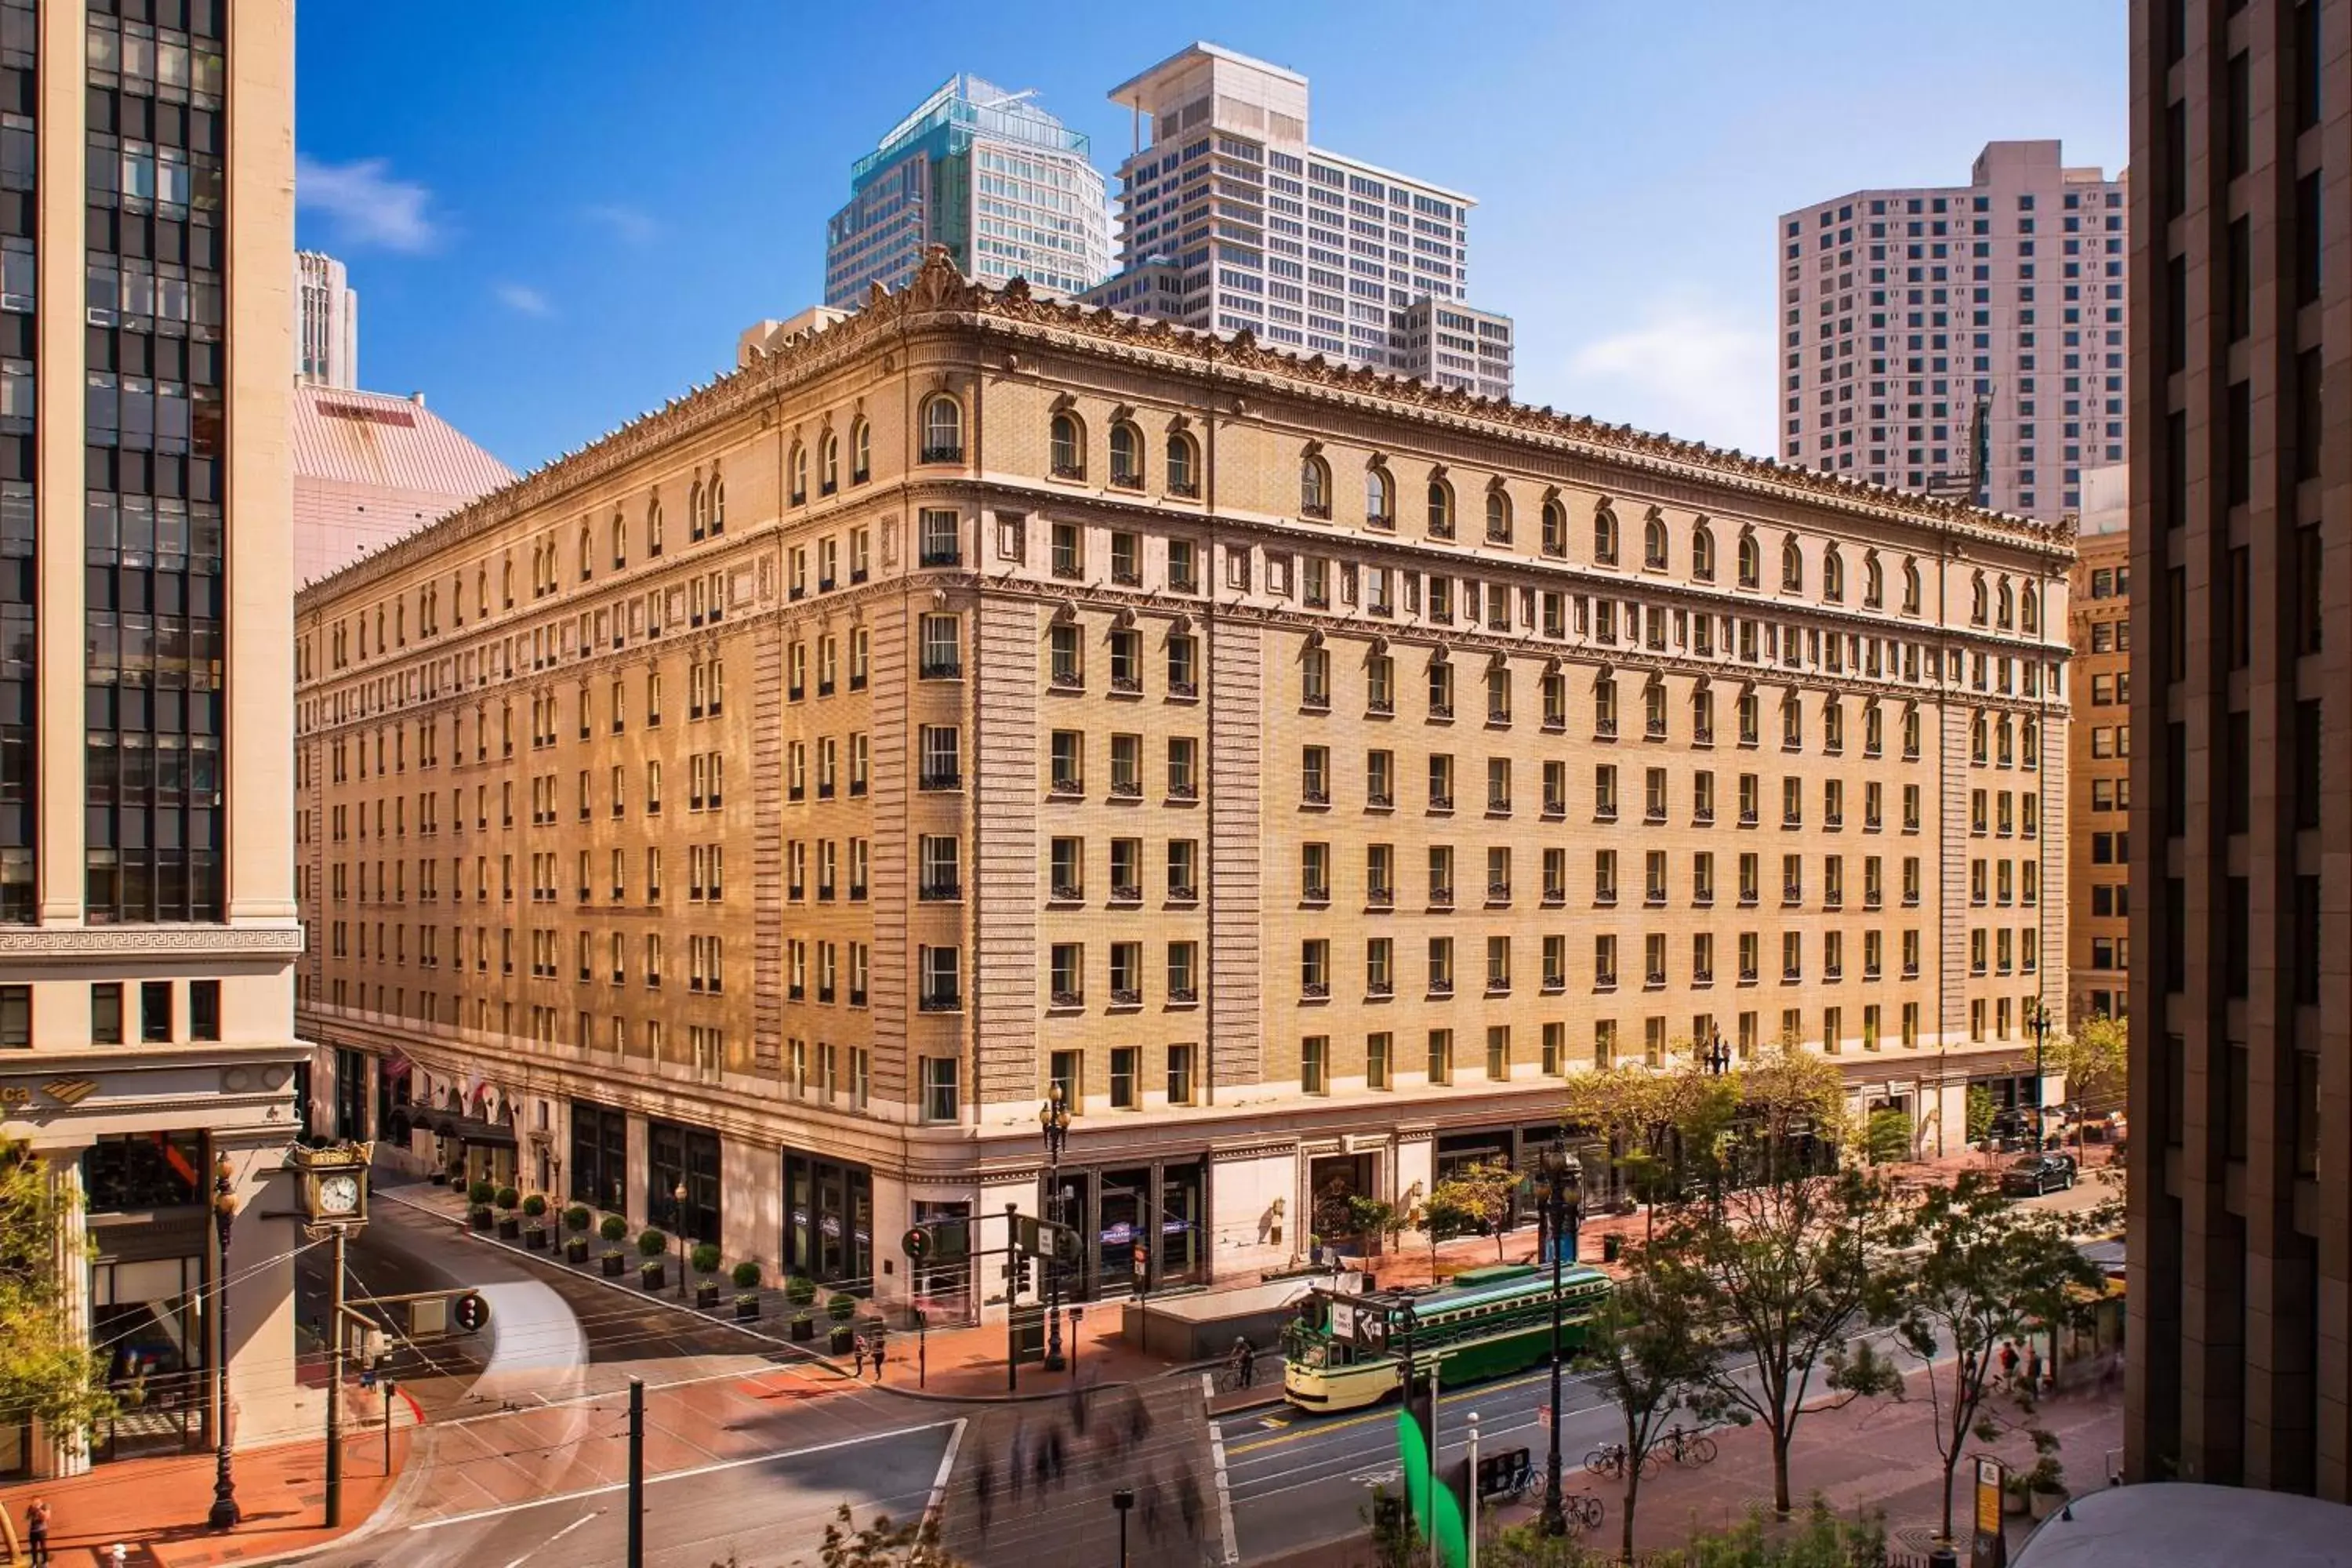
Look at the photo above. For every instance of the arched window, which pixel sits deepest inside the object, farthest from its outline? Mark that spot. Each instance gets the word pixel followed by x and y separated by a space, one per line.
pixel 1653 542
pixel 587 553
pixel 1555 527
pixel 1874 581
pixel 1068 444
pixel 1498 518
pixel 1751 560
pixel 800 474
pixel 828 463
pixel 506 584
pixel 861 452
pixel 1126 456
pixel 1183 464
pixel 1703 555
pixel 653 528
pixel 2029 607
pixel 942 430
pixel 1980 603
pixel 695 513
pixel 1380 500
pixel 1441 509
pixel 718 503
pixel 1313 487
pixel 1910 586
pixel 1792 566
pixel 482 591
pixel 2007 601
pixel 620 542
pixel 1605 535
pixel 1833 576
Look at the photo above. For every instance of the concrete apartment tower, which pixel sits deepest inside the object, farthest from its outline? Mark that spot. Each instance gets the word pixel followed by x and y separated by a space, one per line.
pixel 1305 249
pixel 2241 1332
pixel 1966 340
pixel 1008 190
pixel 329 334
pixel 148 927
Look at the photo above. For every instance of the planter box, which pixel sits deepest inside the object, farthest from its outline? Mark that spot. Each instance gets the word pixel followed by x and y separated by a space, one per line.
pixel 803 1330
pixel 535 1239
pixel 649 1275
pixel 706 1295
pixel 482 1222
pixel 612 1262
pixel 747 1311
pixel 575 1249
pixel 2041 1505
pixel 843 1340
pixel 509 1229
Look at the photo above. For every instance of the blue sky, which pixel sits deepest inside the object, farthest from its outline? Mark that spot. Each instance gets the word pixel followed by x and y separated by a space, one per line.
pixel 558 216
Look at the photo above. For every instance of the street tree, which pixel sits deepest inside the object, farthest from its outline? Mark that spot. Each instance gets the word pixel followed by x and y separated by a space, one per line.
pixel 1975 1273
pixel 48 1370
pixel 1479 1197
pixel 1657 1354
pixel 1784 1271
pixel 1662 1124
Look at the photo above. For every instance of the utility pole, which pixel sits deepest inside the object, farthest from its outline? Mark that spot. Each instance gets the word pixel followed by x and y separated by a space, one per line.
pixel 637 1472
pixel 1474 1490
pixel 1011 1298
pixel 335 1382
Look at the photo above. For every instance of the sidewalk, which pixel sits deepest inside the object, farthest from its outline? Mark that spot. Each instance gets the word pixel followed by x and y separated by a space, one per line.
pixel 157 1506
pixel 963 1363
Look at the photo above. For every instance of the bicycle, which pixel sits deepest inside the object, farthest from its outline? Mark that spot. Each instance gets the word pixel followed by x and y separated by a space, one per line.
pixel 1693 1450
pixel 1583 1510
pixel 1609 1460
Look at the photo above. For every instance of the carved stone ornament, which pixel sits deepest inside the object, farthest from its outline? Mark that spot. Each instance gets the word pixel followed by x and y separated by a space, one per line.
pixel 113 944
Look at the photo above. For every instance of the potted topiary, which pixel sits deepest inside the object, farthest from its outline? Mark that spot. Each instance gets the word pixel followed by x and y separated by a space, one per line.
pixel 706 1263
pixel 534 1236
pixel 800 1290
pixel 478 1204
pixel 653 1246
pixel 747 1286
pixel 510 1222
pixel 803 1327
pixel 841 1307
pixel 2046 1486
pixel 614 1230
pixel 575 1246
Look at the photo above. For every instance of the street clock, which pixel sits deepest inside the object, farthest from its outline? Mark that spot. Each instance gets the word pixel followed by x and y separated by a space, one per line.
pixel 334 1183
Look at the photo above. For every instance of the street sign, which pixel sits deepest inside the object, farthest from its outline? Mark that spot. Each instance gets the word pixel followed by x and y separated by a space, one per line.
pixel 470 1313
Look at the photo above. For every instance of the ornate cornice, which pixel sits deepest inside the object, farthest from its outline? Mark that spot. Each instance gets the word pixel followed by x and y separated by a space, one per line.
pixel 941 298
pixel 135 943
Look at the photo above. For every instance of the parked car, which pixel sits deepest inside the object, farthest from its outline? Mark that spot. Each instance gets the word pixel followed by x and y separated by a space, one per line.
pixel 2033 1174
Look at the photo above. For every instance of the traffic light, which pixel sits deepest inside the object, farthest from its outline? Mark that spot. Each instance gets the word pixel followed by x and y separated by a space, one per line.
pixel 469 1312
pixel 916 1244
pixel 1020 1273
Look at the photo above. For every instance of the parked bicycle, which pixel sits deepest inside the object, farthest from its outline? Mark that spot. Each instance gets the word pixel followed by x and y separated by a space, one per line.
pixel 1691 1448
pixel 1582 1510
pixel 1609 1460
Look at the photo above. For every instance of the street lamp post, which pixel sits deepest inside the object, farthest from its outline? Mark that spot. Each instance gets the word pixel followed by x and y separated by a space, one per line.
pixel 677 1215
pixel 1122 1500
pixel 1559 1186
pixel 2040 1019
pixel 1718 1061
pixel 1054 1120
pixel 225 1514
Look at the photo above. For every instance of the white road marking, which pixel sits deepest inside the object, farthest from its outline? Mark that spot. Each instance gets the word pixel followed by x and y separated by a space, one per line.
pixel 947 1467
pixel 673 1476
pixel 1224 1493
pixel 589 1518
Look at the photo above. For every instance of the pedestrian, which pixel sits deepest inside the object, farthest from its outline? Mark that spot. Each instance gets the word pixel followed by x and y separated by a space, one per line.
pixel 36 1530
pixel 1041 1462
pixel 983 1490
pixel 1188 1502
pixel 1138 1421
pixel 1244 1360
pixel 878 1342
pixel 1079 1400
pixel 1151 1507
pixel 2034 1373
pixel 1055 1456
pixel 1015 1456
pixel 2008 1361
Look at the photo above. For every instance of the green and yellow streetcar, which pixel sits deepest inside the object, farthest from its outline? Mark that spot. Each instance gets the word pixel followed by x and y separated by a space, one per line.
pixel 1346 1350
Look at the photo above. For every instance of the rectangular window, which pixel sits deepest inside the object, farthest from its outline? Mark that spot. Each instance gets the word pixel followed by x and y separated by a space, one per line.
pixel 106 1013
pixel 155 1008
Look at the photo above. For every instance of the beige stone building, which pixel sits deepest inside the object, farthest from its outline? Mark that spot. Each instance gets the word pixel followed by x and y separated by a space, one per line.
pixel 148 927
pixel 1304 768
pixel 2098 959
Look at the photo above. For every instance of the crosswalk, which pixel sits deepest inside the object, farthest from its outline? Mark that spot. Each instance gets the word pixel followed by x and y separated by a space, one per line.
pixel 1074 1522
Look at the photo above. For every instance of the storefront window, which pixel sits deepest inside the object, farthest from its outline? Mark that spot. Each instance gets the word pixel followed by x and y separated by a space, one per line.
pixel 143 1171
pixel 672 1152
pixel 600 1156
pixel 829 1221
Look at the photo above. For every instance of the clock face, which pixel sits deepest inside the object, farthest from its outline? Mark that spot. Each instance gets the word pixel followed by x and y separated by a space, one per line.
pixel 339 1194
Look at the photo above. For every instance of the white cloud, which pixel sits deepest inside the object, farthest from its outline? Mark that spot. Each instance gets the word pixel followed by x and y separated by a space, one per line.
pixel 523 299
pixel 628 223
pixel 1689 369
pixel 365 206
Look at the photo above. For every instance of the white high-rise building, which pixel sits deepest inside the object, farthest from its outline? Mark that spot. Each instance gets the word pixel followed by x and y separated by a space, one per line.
pixel 1962 339
pixel 1230 219
pixel 1005 187
pixel 328 343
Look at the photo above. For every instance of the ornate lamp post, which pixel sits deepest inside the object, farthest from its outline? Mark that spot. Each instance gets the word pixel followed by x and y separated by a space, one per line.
pixel 2039 1019
pixel 1559 1188
pixel 1718 1059
pixel 677 1194
pixel 225 1514
pixel 1054 1120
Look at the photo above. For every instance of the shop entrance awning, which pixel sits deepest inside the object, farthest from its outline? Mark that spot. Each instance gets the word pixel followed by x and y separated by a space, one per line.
pixel 470 1129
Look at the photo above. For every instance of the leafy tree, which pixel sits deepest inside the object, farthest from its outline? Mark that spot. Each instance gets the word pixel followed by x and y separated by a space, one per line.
pixel 1886 1137
pixel 1479 1197
pixel 1976 1273
pixel 1981 1113
pixel 1662 1124
pixel 2096 1058
pixel 1820 1540
pixel 1783 1271
pixel 1656 1353
pixel 48 1370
